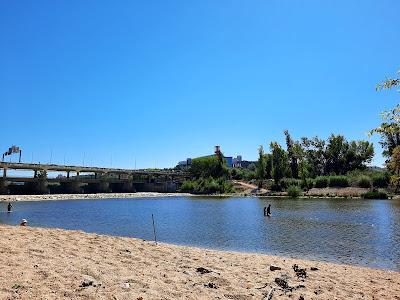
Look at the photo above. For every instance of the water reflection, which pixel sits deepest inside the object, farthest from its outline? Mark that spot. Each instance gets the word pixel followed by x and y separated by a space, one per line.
pixel 364 232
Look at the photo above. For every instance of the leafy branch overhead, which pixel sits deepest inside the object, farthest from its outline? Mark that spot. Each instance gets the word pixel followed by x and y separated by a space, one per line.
pixel 388 83
pixel 390 127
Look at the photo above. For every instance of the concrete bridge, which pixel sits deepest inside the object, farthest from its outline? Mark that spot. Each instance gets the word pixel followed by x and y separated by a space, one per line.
pixel 95 179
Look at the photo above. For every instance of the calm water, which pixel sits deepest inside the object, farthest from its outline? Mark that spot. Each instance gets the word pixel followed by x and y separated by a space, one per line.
pixel 363 232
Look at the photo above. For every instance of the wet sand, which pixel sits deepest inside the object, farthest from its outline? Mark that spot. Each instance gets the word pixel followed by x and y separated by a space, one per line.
pixel 42 263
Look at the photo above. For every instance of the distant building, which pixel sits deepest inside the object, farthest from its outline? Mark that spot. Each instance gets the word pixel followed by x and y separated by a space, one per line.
pixel 231 162
pixel 184 163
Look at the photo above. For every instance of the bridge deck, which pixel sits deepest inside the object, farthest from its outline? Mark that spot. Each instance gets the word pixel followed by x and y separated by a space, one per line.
pixel 82 169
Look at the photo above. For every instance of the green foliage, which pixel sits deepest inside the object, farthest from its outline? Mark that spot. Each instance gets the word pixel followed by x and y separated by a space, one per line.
pixel 285 183
pixel 338 181
pixel 293 155
pixel 279 162
pixel 364 182
pixel 374 195
pixel 389 130
pixel 335 156
pixel 342 156
pixel 293 191
pixel 268 166
pixel 261 164
pixel 242 174
pixel 42 174
pixel 381 180
pixel 388 83
pixel 307 184
pixel 321 182
pixel 209 166
pixel 394 167
pixel 275 187
pixel 314 155
pixel 208 186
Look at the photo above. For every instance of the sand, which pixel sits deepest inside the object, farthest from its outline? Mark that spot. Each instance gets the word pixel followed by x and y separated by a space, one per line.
pixel 12 198
pixel 39 263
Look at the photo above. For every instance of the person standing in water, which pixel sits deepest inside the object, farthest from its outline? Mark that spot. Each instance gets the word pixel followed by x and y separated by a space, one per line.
pixel 9 207
pixel 267 211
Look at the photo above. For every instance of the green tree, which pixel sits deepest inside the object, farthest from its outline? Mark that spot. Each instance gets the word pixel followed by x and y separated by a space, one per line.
pixel 261 163
pixel 335 155
pixel 389 130
pixel 268 166
pixel 390 127
pixel 292 154
pixel 314 152
pixel 394 167
pixel 359 153
pixel 303 165
pixel 210 166
pixel 279 162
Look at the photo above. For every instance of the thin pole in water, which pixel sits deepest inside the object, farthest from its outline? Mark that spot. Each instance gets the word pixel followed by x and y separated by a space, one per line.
pixel 154 229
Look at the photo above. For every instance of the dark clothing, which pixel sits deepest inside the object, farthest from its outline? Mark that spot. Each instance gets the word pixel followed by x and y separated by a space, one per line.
pixel 9 207
pixel 269 210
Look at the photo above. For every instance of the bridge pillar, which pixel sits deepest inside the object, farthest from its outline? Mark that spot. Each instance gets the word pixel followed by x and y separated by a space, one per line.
pixel 4 173
pixel 3 187
pixel 35 174
pixel 67 174
pixel 98 187
pixel 71 187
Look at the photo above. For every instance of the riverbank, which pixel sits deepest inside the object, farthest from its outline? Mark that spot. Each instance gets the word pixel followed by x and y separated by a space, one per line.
pixel 13 198
pixel 42 263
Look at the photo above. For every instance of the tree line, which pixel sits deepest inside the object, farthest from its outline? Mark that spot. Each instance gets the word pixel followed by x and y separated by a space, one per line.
pixel 313 157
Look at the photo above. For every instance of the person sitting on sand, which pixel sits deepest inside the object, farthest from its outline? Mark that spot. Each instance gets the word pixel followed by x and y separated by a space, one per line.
pixel 9 207
pixel 24 222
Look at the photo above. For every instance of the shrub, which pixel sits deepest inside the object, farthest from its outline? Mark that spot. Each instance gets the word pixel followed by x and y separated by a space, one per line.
pixel 208 186
pixel 321 182
pixel 307 184
pixel 293 191
pixel 338 181
pixel 285 183
pixel 275 187
pixel 381 180
pixel 188 186
pixel 228 187
pixel 364 182
pixel 374 195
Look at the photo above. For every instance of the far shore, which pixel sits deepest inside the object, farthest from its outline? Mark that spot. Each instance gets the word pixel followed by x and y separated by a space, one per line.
pixel 39 263
pixel 45 197
pixel 316 194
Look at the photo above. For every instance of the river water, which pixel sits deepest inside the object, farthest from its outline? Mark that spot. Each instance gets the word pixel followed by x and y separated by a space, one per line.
pixel 360 232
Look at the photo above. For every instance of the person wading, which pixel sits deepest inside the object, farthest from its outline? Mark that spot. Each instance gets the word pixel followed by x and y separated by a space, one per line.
pixel 267 211
pixel 9 207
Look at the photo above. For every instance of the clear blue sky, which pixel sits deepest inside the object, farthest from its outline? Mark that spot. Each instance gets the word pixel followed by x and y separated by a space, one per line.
pixel 160 81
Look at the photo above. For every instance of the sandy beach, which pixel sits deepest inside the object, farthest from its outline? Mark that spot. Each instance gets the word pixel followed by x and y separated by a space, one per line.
pixel 42 263
pixel 13 198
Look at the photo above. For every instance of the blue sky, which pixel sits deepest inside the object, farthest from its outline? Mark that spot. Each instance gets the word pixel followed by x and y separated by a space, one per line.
pixel 159 81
